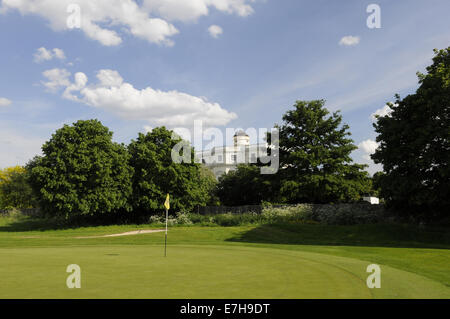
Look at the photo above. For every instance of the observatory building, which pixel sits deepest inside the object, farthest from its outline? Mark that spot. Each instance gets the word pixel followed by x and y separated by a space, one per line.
pixel 223 159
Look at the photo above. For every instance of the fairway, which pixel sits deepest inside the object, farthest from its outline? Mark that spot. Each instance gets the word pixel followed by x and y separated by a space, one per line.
pixel 199 271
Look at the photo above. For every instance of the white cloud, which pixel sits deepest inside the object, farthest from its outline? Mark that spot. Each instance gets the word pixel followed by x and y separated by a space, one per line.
pixel 56 78
pixel 147 128
pixel 101 18
pixel 59 54
pixel 111 93
pixel 368 147
pixel 42 54
pixel 193 9
pixel 98 18
pixel 215 31
pixel 349 40
pixel 4 101
pixel 384 111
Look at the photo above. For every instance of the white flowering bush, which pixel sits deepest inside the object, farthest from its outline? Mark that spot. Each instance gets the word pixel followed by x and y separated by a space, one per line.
pixel 297 213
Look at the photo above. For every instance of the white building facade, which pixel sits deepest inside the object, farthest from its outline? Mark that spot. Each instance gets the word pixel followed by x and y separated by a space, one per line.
pixel 221 160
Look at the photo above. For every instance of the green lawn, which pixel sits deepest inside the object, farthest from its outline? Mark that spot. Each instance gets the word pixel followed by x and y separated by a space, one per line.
pixel 280 261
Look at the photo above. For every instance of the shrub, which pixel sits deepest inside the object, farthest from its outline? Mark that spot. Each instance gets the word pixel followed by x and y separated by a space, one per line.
pixel 154 219
pixel 348 214
pixel 183 219
pixel 298 213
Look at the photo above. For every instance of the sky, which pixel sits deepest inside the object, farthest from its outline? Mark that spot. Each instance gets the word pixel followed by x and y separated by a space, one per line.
pixel 136 65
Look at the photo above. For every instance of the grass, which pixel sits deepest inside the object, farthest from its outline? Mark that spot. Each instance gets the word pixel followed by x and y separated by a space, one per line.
pixel 252 261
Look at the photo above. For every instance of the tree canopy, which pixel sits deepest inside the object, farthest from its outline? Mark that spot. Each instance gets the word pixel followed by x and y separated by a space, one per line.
pixel 415 144
pixel 15 190
pixel 247 186
pixel 82 172
pixel 315 162
pixel 156 174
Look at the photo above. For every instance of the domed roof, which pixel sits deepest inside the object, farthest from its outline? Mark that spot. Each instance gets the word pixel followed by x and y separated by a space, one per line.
pixel 240 133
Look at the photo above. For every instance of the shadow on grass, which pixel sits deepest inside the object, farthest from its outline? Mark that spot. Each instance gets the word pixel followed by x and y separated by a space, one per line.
pixel 25 224
pixel 375 235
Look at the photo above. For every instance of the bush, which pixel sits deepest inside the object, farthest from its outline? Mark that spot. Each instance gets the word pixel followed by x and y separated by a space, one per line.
pixel 180 219
pixel 338 214
pixel 298 213
pixel 348 214
pixel 183 219
pixel 154 219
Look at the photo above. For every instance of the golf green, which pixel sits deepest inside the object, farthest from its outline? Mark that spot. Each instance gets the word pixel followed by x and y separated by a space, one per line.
pixel 200 271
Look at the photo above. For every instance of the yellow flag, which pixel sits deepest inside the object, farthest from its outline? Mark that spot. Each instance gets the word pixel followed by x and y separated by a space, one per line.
pixel 167 202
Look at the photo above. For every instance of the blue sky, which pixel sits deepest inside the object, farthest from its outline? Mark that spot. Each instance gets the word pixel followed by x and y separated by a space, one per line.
pixel 155 62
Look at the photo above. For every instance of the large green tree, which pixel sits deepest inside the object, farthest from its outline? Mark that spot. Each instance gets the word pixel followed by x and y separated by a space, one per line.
pixel 247 186
pixel 82 172
pixel 315 162
pixel 415 145
pixel 156 173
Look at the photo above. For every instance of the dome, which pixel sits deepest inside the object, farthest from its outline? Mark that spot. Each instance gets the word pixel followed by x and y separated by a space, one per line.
pixel 240 133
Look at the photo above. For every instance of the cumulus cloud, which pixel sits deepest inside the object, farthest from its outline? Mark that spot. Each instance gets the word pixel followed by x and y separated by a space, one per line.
pixel 4 101
pixel 215 31
pixel 56 78
pixel 384 111
pixel 148 19
pixel 42 54
pixel 368 147
pixel 147 128
pixel 194 9
pixel 98 18
pixel 349 40
pixel 112 93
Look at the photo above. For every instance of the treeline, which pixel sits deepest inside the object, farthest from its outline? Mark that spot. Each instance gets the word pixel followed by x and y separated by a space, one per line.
pixel 414 150
pixel 82 172
pixel 314 164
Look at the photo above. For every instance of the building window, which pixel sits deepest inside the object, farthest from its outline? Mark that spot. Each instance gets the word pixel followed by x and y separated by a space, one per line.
pixel 233 158
pixel 219 158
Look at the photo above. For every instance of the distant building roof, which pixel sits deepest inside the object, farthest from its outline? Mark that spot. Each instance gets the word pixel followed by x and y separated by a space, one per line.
pixel 240 133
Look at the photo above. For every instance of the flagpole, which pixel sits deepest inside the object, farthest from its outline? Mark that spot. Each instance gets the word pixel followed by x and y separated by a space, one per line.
pixel 165 241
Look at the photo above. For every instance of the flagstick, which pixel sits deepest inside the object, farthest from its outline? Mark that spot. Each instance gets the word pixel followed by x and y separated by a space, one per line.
pixel 165 241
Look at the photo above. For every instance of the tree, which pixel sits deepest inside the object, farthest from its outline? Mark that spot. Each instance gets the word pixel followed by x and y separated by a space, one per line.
pixel 415 145
pixel 14 188
pixel 247 186
pixel 315 162
pixel 82 172
pixel 208 183
pixel 377 181
pixel 156 174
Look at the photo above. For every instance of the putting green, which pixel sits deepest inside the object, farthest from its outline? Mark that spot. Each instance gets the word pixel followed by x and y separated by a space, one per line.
pixel 200 272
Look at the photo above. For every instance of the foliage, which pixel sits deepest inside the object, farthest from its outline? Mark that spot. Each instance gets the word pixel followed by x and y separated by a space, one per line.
pixel 14 188
pixel 208 183
pixel 297 213
pixel 246 186
pixel 156 174
pixel 315 157
pixel 377 180
pixel 349 214
pixel 415 145
pixel 82 172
